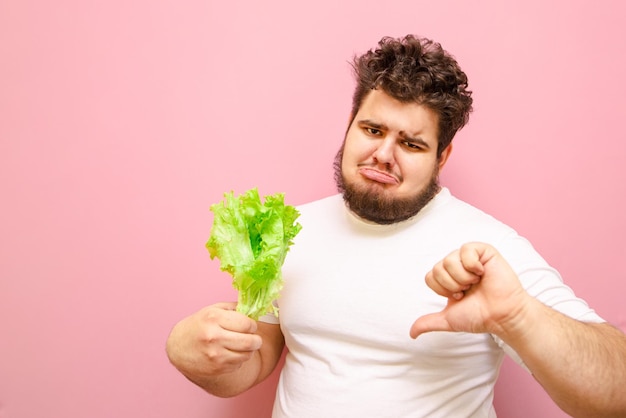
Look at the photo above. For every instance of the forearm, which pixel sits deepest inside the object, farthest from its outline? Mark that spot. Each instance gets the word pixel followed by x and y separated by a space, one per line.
pixel 582 366
pixel 233 383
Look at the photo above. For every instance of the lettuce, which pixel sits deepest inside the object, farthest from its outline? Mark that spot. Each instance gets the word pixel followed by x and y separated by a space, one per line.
pixel 251 239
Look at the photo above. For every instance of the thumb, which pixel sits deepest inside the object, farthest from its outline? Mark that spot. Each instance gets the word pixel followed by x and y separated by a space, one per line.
pixel 427 323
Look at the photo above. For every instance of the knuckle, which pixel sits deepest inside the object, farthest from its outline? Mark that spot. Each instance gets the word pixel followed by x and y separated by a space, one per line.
pixel 439 268
pixel 212 315
pixel 212 336
pixel 213 355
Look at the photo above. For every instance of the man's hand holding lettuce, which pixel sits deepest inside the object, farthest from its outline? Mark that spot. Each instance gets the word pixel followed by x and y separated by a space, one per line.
pixel 251 240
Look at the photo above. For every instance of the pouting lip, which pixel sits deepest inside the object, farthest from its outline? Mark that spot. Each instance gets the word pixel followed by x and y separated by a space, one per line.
pixel 378 176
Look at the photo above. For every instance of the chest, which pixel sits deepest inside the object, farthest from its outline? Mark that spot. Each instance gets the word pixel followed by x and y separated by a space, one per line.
pixel 361 296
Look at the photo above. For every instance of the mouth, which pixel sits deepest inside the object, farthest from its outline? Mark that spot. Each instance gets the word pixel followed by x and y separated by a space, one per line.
pixel 378 176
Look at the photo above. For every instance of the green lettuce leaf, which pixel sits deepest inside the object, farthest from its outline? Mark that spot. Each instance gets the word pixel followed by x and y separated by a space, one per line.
pixel 251 239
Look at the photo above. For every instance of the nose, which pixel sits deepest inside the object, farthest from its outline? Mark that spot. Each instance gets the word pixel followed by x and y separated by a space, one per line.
pixel 384 154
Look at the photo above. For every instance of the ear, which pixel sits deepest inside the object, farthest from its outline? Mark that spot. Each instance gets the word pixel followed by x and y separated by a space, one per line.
pixel 444 156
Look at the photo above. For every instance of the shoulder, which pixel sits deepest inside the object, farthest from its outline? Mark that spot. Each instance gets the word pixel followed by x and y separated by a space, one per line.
pixel 462 222
pixel 458 216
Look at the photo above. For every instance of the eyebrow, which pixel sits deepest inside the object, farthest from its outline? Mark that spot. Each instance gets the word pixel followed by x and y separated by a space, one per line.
pixel 403 134
pixel 373 124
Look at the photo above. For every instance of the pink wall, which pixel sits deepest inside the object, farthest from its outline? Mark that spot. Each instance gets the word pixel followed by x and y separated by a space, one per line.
pixel 122 121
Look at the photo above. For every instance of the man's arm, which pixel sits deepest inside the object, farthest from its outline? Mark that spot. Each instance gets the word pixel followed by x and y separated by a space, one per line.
pixel 223 351
pixel 581 366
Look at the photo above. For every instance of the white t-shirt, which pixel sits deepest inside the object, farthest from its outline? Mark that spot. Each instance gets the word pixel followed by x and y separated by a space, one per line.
pixel 352 290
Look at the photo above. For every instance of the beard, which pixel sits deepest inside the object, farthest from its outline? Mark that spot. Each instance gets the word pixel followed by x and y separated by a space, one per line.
pixel 375 205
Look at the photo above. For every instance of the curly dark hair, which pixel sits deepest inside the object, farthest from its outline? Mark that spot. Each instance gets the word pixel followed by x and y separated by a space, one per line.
pixel 413 69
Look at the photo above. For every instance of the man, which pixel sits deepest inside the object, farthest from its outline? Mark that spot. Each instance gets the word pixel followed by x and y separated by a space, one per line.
pixel 353 293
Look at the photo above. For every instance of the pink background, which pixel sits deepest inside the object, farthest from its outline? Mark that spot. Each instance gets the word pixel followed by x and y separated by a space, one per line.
pixel 122 121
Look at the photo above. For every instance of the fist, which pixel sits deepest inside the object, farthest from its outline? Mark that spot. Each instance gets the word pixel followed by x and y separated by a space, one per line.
pixel 212 341
pixel 483 291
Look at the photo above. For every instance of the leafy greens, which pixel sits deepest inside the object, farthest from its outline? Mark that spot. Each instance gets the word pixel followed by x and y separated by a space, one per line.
pixel 251 239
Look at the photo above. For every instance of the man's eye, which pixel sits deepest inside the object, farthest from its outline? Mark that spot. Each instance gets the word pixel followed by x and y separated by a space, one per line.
pixel 373 131
pixel 412 145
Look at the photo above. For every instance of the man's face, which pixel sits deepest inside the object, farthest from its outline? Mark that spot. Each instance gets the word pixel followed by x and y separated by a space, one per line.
pixel 388 163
